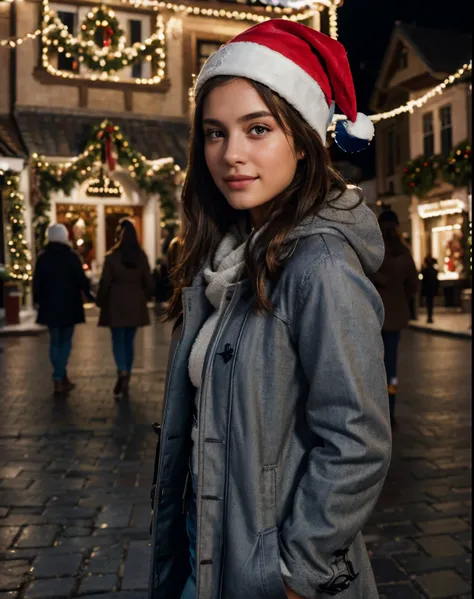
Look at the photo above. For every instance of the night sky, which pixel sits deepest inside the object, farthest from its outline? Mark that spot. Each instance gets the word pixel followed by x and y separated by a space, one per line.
pixel 365 27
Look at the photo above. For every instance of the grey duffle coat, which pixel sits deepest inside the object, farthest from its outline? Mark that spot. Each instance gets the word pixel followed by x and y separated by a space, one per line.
pixel 294 435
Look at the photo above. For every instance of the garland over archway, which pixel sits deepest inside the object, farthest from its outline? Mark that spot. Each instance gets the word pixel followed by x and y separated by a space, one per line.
pixel 107 146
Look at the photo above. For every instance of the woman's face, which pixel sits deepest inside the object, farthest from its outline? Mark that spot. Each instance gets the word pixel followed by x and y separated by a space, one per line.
pixel 249 156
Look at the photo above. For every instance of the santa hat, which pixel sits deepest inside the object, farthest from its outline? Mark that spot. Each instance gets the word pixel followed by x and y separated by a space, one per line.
pixel 305 67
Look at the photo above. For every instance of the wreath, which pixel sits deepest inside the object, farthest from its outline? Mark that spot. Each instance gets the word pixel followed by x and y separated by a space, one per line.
pixel 419 175
pixel 102 27
pixel 457 170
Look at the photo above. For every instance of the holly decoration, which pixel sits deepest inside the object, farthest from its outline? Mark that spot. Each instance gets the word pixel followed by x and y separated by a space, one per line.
pixel 419 175
pixel 457 170
pixel 101 44
pixel 18 255
pixel 107 146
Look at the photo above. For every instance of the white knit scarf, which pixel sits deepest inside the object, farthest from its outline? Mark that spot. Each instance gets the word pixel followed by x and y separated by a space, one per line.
pixel 221 272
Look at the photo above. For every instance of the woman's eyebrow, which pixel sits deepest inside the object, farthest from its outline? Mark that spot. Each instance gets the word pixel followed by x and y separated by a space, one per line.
pixel 241 119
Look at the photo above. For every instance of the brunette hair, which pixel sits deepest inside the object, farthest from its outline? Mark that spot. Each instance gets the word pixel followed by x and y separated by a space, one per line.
pixel 127 243
pixel 389 225
pixel 208 215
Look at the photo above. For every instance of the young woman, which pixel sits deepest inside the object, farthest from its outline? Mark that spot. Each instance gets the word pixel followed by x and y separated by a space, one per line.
pixel 397 283
pixel 59 288
pixel 125 287
pixel 275 437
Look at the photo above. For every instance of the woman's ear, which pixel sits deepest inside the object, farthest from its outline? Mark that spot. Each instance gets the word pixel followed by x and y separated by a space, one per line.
pixel 301 155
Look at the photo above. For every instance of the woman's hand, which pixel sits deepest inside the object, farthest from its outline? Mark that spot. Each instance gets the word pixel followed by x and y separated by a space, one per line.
pixel 291 594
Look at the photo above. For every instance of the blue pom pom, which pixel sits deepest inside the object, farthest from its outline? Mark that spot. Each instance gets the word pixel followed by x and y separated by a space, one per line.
pixel 348 142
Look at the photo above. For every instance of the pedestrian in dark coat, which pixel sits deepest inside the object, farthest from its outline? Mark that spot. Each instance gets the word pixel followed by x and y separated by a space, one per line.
pixel 429 285
pixel 125 287
pixel 59 286
pixel 397 283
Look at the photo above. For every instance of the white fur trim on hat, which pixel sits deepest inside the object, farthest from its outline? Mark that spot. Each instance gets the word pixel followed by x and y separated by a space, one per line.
pixel 362 127
pixel 58 234
pixel 280 74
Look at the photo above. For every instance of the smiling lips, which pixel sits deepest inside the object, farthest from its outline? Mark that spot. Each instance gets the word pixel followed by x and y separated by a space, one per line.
pixel 237 182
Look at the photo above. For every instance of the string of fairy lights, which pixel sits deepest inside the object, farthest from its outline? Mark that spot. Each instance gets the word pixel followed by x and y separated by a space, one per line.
pixel 299 11
pixel 412 105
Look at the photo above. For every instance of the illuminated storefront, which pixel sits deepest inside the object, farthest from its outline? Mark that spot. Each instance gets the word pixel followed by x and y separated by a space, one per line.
pixel 443 235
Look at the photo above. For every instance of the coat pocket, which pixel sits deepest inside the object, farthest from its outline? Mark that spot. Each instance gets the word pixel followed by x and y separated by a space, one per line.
pixel 262 577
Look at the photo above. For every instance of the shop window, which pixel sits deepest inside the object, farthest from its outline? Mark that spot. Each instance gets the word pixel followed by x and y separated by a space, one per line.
pixel 447 244
pixel 445 117
pixel 67 63
pixel 204 49
pixel 428 134
pixel 135 35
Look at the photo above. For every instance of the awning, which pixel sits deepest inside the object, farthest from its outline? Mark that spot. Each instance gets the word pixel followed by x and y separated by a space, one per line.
pixel 64 134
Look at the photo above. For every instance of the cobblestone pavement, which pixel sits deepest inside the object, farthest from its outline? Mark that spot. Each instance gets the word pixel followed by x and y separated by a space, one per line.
pixel 75 474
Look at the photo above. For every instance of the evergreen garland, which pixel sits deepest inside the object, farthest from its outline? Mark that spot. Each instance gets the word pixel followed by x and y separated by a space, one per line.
pixel 101 44
pixel 457 170
pixel 149 178
pixel 18 256
pixel 419 175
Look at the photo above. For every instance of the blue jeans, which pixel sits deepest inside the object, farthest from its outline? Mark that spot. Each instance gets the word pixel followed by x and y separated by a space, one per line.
pixel 122 345
pixel 391 339
pixel 60 345
pixel 189 591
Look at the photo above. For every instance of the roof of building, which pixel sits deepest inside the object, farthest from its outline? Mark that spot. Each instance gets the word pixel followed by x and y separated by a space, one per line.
pixel 442 51
pixel 10 144
pixel 65 134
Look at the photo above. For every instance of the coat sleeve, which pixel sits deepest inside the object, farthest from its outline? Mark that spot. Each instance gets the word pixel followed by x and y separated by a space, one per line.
pixel 105 283
pixel 38 281
pixel 148 281
pixel 337 333
pixel 82 280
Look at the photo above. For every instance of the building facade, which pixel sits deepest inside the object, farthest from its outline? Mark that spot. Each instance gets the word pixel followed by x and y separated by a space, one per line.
pixel 435 212
pixel 132 62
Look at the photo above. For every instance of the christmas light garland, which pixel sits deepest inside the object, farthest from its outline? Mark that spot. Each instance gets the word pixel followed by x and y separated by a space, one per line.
pixel 411 105
pixel 113 56
pixel 14 42
pixel 150 176
pixel 19 258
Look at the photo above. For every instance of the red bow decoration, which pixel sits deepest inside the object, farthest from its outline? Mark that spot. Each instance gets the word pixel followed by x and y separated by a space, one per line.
pixel 107 38
pixel 107 134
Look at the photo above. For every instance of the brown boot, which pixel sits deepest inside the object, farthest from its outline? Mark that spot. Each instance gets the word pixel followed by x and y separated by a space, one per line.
pixel 58 388
pixel 121 386
pixel 126 381
pixel 67 384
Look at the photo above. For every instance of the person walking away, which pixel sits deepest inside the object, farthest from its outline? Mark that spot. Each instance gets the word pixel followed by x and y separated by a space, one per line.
pixel 59 287
pixel 162 284
pixel 397 283
pixel 125 287
pixel 429 285
pixel 275 437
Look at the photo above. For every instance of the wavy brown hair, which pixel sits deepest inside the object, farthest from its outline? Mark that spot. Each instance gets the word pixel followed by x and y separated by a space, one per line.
pixel 208 215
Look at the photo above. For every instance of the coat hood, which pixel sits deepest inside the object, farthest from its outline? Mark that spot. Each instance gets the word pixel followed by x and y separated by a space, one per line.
pixel 352 219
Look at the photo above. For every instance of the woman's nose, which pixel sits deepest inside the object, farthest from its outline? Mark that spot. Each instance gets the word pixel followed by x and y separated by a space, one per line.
pixel 235 151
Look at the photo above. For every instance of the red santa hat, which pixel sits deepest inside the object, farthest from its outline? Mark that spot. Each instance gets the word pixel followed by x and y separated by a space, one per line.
pixel 305 67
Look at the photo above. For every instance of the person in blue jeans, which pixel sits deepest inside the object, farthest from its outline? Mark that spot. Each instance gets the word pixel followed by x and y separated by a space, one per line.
pixel 125 287
pixel 59 288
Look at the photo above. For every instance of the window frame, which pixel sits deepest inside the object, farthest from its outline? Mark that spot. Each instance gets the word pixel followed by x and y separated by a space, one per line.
pixel 428 134
pixel 446 130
